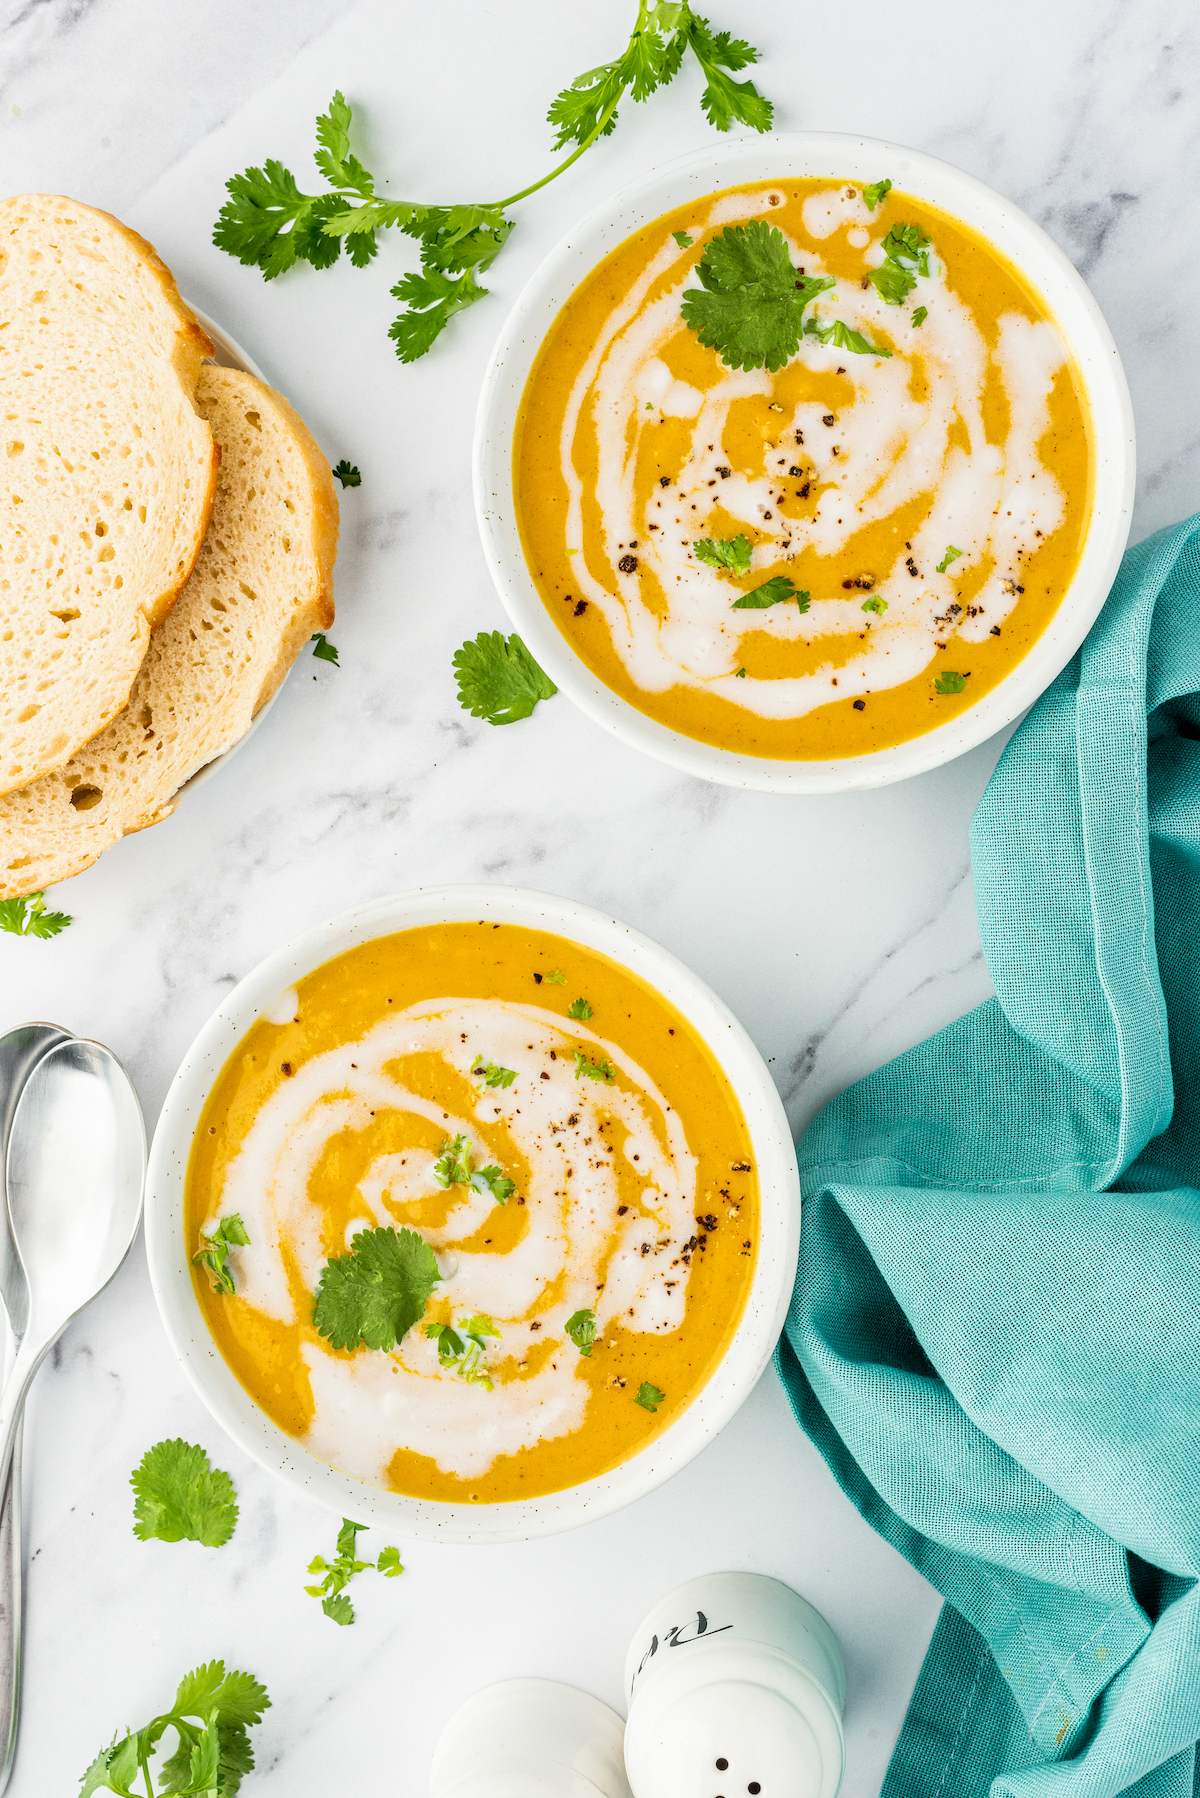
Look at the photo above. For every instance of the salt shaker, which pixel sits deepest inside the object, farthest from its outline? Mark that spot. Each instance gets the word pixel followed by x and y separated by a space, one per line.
pixel 736 1688
pixel 530 1738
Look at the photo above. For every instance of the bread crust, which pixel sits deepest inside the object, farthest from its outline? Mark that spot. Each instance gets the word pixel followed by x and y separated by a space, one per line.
pixel 130 773
pixel 90 670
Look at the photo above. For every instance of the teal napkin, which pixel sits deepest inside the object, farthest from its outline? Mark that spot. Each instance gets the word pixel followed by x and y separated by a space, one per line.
pixel 995 1334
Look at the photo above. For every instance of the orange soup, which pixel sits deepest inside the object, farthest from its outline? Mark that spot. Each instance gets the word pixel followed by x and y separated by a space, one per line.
pixel 501 1213
pixel 832 557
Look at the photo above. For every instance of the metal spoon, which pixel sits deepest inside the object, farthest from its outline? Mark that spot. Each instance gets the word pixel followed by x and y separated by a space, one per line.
pixel 20 1051
pixel 75 1168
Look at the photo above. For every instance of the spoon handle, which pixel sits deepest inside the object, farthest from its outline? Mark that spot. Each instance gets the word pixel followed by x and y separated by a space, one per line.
pixel 10 1614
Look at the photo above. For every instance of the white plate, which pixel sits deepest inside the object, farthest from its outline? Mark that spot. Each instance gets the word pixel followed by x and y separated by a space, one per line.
pixel 774 1271
pixel 789 157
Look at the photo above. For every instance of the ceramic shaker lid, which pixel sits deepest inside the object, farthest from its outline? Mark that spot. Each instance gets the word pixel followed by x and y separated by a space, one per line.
pixel 736 1688
pixel 530 1738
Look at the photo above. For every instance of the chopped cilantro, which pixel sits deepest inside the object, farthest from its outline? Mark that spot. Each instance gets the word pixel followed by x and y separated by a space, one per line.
pixel 462 1357
pixel 493 1076
pixel 342 1569
pixel 875 192
pixel 740 674
pixel 951 555
pixel 376 1293
pixel 579 1009
pixel 347 474
pixel 920 315
pixel 750 307
pixel 950 682
pixel 843 338
pixel 878 606
pixel 731 553
pixel 325 650
pixel 178 1494
pixel 772 593
pixel 452 1168
pixel 683 240
pixel 906 253
pixel 214 1250
pixel 498 679
pixel 581 1328
pixel 556 977
pixel 29 917
pixel 492 1180
pixel 211 1716
pixel 649 1397
pixel 592 1070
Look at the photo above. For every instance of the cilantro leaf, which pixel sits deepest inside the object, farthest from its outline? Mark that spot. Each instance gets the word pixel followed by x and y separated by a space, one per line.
pixel 339 1608
pixel 452 1167
pixel 951 555
pixel 683 240
pixel 732 553
pixel 750 308
pixel 389 1563
pixel 593 1070
pixel 494 1076
pixel 376 1293
pixel 580 1010
pixel 649 1397
pixel 29 917
pixel 465 1357
pixel 556 977
pixel 725 102
pixel 491 1180
pixel 875 192
pixel 920 315
pixel 347 1536
pixel 450 1343
pixel 581 1328
pixel 347 474
pixel 878 606
pixel 772 593
pixel 950 682
pixel 842 337
pixel 325 651
pixel 906 252
pixel 178 1494
pixel 214 1250
pixel 498 679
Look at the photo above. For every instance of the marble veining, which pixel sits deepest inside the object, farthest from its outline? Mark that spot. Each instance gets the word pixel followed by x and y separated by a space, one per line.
pixel 840 929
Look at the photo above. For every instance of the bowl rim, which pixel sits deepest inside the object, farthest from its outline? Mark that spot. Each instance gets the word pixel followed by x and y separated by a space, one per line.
pixel 790 155
pixel 735 1375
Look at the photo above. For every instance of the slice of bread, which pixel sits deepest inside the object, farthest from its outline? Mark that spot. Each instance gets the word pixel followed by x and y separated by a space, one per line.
pixel 261 586
pixel 107 471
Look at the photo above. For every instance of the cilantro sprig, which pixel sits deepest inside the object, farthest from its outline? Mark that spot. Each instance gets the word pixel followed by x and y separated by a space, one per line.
pixel 347 474
pixel 270 224
pixel 750 306
pixel 323 649
pixel 212 1715
pixel 464 1357
pixel 906 255
pixel 950 682
pixel 178 1494
pixel 732 554
pixel 377 1292
pixel 874 192
pixel 498 679
pixel 842 337
pixel 29 917
pixel 951 555
pixel 342 1569
pixel 593 1070
pixel 580 1010
pixel 493 1076
pixel 648 1396
pixel 230 1233
pixel 581 1328
pixel 453 1168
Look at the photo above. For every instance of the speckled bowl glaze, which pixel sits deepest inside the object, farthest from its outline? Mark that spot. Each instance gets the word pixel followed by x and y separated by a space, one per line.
pixel 781 157
pixel 735 1375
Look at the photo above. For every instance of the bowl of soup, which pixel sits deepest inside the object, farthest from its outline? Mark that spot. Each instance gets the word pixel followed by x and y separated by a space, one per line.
pixel 474 1212
pixel 805 463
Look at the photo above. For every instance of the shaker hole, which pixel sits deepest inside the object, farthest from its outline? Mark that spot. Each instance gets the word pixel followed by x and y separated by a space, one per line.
pixel 722 1765
pixel 754 1786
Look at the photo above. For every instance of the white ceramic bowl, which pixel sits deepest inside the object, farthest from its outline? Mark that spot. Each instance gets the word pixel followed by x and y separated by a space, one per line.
pixel 787 157
pixel 779 1228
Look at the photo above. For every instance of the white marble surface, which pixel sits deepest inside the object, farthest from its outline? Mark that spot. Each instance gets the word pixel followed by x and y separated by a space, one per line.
pixel 840 929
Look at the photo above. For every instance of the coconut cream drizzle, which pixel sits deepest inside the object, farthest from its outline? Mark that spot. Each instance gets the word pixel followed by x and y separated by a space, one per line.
pixel 996 503
pixel 576 1252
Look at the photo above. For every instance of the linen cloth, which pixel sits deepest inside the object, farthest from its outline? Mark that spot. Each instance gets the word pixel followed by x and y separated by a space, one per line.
pixel 994 1339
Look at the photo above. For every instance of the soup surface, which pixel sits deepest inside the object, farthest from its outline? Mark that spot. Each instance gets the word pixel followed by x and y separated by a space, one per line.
pixel 633 1209
pixel 927 507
